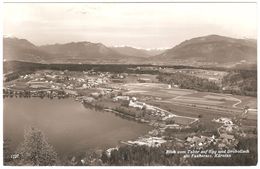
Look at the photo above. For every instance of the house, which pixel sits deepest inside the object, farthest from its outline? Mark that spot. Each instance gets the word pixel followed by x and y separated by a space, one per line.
pixel 223 120
pixel 118 98
pixel 150 141
pixel 173 126
pixel 221 145
pixel 84 86
pixel 227 136
pixel 136 104
pixel 176 86
pixel 198 141
pixel 108 151
pixel 189 139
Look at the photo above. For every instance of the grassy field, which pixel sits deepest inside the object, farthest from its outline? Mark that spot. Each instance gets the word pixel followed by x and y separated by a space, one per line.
pixel 155 89
pixel 251 115
pixel 183 120
pixel 203 105
pixel 173 95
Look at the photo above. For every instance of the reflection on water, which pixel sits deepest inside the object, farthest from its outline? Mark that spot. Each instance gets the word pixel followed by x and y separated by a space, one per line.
pixel 69 126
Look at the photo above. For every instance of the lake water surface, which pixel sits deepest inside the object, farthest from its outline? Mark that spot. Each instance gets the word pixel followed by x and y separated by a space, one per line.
pixel 68 125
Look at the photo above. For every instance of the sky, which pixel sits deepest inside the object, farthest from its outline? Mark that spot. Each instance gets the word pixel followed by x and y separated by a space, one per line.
pixel 141 25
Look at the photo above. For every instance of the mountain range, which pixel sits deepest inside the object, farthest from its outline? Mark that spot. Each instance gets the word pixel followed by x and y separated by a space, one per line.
pixel 211 50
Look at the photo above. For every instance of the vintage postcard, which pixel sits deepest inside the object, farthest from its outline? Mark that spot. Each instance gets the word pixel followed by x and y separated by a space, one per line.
pixel 129 84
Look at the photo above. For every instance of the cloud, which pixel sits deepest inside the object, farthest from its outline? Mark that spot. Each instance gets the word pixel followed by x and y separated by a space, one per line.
pixel 145 25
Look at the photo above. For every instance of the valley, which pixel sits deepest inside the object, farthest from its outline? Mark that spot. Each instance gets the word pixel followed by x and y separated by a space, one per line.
pixel 178 116
pixel 194 96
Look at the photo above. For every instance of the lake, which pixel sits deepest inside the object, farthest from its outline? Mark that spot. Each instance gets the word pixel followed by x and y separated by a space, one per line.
pixel 68 125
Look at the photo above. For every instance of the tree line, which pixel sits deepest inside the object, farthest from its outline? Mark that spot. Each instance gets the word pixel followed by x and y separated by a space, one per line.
pixel 186 81
pixel 239 82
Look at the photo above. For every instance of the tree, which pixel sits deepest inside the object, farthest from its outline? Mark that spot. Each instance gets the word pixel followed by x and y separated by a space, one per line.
pixel 35 150
pixel 7 151
pixel 104 157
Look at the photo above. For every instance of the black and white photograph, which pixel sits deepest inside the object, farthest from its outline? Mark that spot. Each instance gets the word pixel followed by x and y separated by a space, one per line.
pixel 110 83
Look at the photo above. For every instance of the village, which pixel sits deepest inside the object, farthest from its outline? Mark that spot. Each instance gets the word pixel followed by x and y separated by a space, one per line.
pixel 94 89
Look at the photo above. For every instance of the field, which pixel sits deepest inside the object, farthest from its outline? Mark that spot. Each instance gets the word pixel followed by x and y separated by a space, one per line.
pixel 154 89
pixel 185 96
pixel 184 120
pixel 203 105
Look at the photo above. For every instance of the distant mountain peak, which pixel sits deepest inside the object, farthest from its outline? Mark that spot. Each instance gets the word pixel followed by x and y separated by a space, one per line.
pixel 140 48
pixel 210 50
pixel 19 42
pixel 137 52
pixel 22 50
